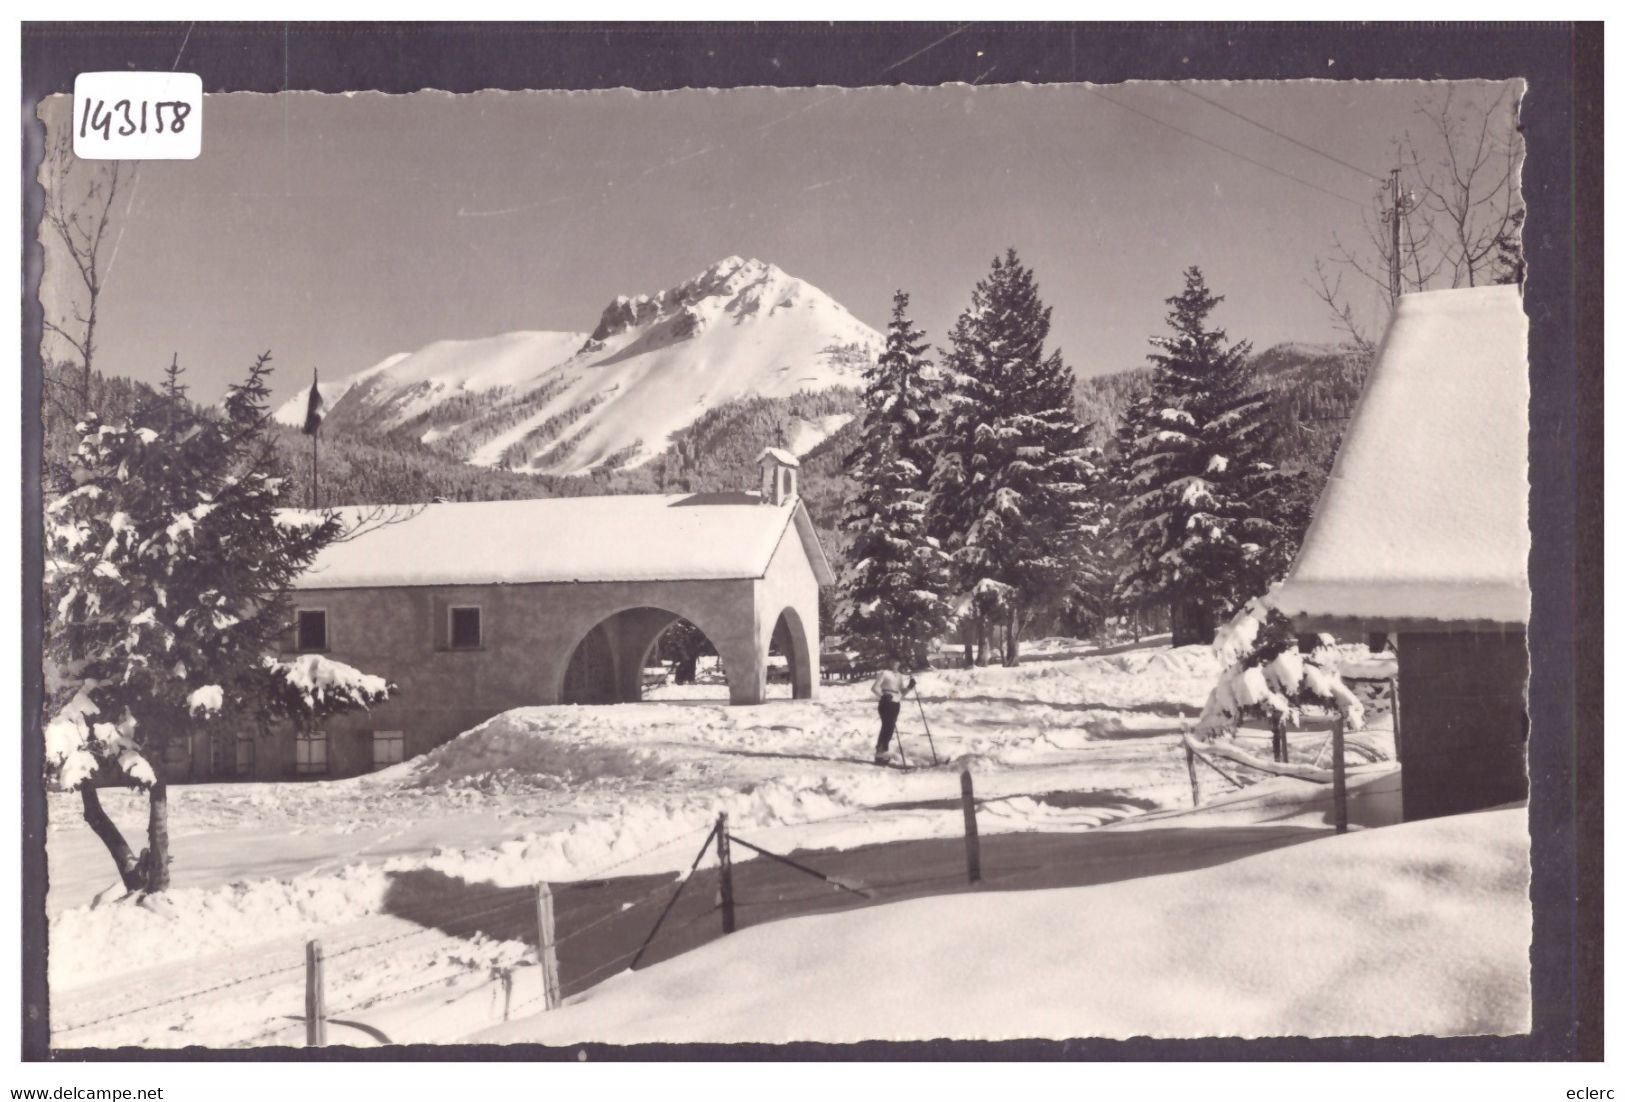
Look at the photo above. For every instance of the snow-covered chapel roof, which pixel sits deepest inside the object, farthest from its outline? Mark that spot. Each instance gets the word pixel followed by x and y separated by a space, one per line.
pixel 620 538
pixel 779 456
pixel 1426 515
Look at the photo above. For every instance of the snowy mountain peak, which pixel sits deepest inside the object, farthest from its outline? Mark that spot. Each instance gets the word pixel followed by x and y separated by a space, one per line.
pixel 746 285
pixel 565 403
pixel 621 315
pixel 733 286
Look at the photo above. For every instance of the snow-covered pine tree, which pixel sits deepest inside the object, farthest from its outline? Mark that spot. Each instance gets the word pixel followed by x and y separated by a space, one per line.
pixel 166 569
pixel 1196 475
pixel 684 644
pixel 1090 599
pixel 1010 487
pixel 896 581
pixel 1112 494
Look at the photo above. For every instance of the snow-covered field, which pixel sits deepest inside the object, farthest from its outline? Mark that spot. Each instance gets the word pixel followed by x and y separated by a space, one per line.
pixel 565 794
pixel 1416 929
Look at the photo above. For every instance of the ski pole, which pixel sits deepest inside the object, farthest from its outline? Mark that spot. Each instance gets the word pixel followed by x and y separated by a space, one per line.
pixel 934 759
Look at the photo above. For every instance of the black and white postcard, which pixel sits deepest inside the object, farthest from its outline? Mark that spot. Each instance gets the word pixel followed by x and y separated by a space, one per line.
pixel 988 559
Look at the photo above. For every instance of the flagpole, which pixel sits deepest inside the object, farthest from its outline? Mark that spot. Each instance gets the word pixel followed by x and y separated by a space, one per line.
pixel 315 467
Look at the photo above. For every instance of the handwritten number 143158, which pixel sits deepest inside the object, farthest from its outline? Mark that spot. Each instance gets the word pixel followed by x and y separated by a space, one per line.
pixel 126 118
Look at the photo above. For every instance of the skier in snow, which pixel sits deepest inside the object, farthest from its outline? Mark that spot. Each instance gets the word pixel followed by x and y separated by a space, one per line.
pixel 889 687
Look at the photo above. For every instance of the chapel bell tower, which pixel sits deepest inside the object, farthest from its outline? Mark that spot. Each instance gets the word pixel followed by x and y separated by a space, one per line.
pixel 780 470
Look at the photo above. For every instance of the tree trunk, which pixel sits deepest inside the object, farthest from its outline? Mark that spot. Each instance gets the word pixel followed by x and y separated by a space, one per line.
pixel 158 838
pixel 1205 625
pixel 129 865
pixel 1012 639
pixel 981 641
pixel 1192 623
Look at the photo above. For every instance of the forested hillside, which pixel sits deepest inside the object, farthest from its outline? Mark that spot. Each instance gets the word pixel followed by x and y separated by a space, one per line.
pixel 1312 391
pixel 1102 400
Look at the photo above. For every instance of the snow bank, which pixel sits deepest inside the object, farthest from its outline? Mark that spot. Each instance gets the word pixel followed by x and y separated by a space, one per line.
pixel 652 836
pixel 645 836
pixel 567 793
pixel 1140 678
pixel 86 939
pixel 511 751
pixel 1416 929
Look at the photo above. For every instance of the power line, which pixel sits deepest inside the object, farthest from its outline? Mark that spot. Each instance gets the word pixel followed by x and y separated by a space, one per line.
pixel 1227 150
pixel 1284 137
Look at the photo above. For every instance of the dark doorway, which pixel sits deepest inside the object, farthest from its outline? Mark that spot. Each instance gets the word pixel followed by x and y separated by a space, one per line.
pixel 643 653
pixel 590 678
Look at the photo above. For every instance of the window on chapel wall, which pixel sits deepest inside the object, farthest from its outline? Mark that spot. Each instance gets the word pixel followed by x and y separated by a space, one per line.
pixel 310 753
pixel 388 748
pixel 311 629
pixel 218 749
pixel 466 629
pixel 177 757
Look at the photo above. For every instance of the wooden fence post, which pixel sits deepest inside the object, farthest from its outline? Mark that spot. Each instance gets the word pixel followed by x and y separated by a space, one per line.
pixel 1196 789
pixel 727 883
pixel 547 953
pixel 973 844
pixel 315 1004
pixel 1340 790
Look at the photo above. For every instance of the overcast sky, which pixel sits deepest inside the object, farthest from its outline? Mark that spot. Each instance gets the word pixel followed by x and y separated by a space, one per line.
pixel 336 230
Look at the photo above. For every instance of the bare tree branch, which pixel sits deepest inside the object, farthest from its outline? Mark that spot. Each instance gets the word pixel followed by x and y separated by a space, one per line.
pixel 371 518
pixel 1475 202
pixel 1329 289
pixel 79 224
pixel 1350 260
pixel 53 327
pixel 1460 212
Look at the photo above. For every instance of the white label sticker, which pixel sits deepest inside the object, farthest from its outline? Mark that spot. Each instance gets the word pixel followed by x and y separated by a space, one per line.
pixel 138 116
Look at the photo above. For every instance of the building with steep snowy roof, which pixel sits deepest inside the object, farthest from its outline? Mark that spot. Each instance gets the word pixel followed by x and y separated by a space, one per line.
pixel 473 608
pixel 1422 533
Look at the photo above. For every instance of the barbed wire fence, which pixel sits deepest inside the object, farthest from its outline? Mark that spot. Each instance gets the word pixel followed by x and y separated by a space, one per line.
pixel 477 905
pixel 542 952
pixel 488 903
